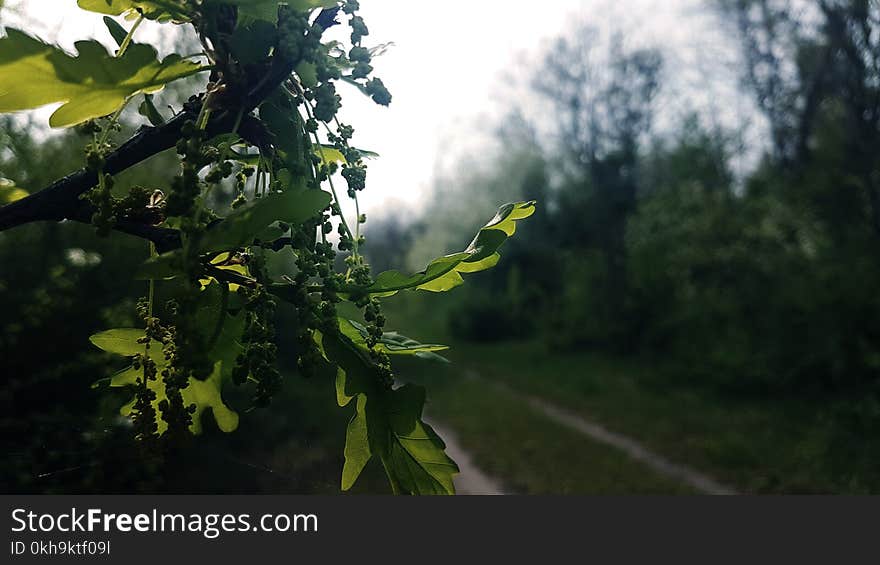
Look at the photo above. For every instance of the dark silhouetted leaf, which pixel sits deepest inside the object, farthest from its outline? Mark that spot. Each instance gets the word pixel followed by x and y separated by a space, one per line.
pixel 9 192
pixel 243 225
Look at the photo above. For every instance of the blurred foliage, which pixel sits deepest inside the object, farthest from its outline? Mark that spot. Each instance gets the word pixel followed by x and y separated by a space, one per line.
pixel 761 286
pixel 764 281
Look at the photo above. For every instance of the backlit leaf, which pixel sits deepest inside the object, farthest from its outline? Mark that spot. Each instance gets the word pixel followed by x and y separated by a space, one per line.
pixel 329 154
pixel 411 451
pixel 205 394
pixel 91 84
pixel 222 262
pixel 119 341
pixel 444 274
pixel 357 445
pixel 9 192
pixel 159 10
pixel 387 423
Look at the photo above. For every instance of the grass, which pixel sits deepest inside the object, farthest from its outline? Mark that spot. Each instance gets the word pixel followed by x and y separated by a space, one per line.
pixel 531 454
pixel 763 445
pixel 758 448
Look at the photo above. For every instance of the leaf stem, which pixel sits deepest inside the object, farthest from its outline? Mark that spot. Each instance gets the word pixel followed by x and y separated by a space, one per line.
pixel 152 285
pixel 237 124
pixel 127 41
pixel 354 250
pixel 357 204
pixel 204 114
pixel 221 319
pixel 113 120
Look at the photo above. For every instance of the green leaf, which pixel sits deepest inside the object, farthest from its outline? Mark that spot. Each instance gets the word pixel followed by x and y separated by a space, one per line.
pixel 159 10
pixel 360 87
pixel 244 224
pixel 394 343
pixel 253 41
pixel 221 263
pixel 308 74
pixel 161 267
pixel 387 423
pixel 413 454
pixel 329 154
pixel 211 315
pixel 311 4
pixel 285 125
pixel 148 110
pixel 117 31
pixel 444 274
pixel 356 372
pixel 119 341
pixel 9 193
pixel 90 85
pixel 391 343
pixel 205 394
pixel 357 445
pixel 342 397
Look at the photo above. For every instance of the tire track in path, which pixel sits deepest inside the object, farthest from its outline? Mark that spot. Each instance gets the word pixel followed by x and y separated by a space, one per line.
pixel 472 480
pixel 695 479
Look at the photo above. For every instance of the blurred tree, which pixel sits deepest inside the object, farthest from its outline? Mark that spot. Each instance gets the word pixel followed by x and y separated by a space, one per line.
pixel 758 286
pixel 811 63
pixel 389 238
pixel 692 156
pixel 604 102
pixel 851 29
pixel 785 68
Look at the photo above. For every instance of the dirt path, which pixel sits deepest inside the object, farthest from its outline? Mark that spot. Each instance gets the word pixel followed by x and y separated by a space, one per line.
pixel 691 477
pixel 472 480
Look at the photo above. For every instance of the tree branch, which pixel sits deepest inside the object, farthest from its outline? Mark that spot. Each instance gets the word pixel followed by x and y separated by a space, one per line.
pixel 61 200
pixel 165 239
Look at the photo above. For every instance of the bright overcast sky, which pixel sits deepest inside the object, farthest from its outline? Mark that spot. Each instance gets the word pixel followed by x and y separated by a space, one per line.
pixel 449 67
